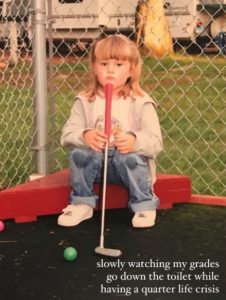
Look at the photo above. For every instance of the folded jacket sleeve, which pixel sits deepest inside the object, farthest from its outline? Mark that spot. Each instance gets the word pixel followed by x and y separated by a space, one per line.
pixel 148 137
pixel 72 134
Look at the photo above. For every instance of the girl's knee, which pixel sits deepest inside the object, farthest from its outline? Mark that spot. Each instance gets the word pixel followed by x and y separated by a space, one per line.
pixel 130 160
pixel 82 157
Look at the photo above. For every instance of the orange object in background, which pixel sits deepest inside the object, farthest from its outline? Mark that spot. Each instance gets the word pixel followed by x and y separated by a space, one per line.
pixel 2 65
pixel 153 28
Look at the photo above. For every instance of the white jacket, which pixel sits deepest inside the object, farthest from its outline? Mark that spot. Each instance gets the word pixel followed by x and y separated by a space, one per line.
pixel 145 126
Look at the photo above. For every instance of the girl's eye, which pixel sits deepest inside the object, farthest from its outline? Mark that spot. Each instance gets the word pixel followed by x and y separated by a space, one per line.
pixel 103 63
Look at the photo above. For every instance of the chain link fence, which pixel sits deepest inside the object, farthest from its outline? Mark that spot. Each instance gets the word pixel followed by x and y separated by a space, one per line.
pixel 189 85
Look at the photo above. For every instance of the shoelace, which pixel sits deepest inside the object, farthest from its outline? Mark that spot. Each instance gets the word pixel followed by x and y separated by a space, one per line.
pixel 68 213
pixel 141 215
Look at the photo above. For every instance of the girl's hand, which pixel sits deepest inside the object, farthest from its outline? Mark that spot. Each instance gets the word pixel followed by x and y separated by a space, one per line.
pixel 124 142
pixel 95 139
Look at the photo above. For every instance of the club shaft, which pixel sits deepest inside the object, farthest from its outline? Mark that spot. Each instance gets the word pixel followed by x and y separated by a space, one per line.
pixel 104 195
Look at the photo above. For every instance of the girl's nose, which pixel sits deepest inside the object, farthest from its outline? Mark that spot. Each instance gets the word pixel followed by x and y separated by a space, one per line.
pixel 110 68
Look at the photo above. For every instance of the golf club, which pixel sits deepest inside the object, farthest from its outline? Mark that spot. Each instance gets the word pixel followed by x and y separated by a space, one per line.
pixel 101 249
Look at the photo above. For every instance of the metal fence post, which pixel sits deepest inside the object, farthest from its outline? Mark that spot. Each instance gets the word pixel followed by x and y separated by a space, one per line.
pixel 40 97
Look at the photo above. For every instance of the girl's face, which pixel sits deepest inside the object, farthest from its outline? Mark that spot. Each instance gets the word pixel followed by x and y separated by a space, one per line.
pixel 112 71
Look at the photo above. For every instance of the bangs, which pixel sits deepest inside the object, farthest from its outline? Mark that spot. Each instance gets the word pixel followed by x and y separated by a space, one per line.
pixel 114 48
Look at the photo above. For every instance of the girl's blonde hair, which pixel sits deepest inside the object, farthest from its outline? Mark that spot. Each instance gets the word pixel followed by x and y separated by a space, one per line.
pixel 119 47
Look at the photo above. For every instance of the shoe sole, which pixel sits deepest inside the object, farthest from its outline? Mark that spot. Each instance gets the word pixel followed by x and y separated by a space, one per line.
pixel 140 226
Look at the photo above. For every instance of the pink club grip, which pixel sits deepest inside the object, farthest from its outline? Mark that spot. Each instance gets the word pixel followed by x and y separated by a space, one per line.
pixel 108 89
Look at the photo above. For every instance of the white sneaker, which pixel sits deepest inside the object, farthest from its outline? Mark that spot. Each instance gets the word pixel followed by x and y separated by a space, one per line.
pixel 144 219
pixel 73 214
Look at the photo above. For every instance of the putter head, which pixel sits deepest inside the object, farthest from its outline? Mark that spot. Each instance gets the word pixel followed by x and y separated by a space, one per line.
pixel 108 252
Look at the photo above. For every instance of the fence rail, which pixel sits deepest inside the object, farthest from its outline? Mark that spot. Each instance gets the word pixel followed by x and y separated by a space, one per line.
pixel 37 92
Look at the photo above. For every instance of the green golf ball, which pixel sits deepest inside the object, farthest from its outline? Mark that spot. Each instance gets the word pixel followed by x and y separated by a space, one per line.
pixel 70 253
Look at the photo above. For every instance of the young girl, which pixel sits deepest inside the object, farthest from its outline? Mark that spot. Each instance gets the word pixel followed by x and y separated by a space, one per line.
pixel 135 141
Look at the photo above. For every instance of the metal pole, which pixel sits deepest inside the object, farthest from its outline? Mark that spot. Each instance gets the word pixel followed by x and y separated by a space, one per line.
pixel 40 67
pixel 52 91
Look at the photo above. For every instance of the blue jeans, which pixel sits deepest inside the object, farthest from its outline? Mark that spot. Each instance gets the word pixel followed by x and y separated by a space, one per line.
pixel 129 170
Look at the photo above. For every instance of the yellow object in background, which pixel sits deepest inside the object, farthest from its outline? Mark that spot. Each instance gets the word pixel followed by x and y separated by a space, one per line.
pixel 153 28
